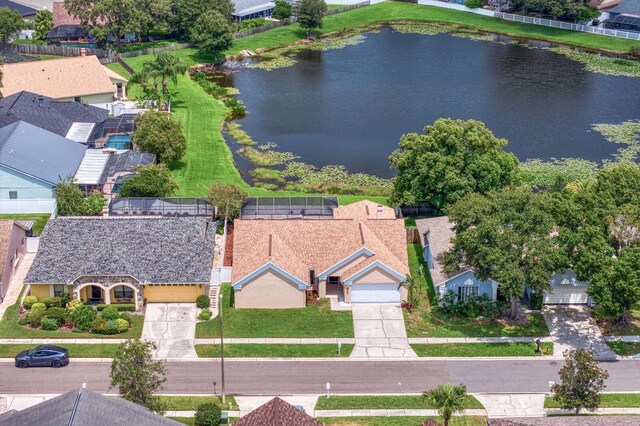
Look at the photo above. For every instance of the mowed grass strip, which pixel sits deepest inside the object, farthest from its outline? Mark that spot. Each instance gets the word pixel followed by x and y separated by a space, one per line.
pixel 251 350
pixel 608 400
pixel 480 349
pixel 383 402
pixel 312 321
pixel 625 348
pixel 76 350
pixel 189 403
pixel 400 421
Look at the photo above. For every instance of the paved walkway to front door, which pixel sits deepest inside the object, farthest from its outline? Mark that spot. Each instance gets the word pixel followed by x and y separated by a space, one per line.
pixel 572 327
pixel 15 286
pixel 379 331
pixel 172 326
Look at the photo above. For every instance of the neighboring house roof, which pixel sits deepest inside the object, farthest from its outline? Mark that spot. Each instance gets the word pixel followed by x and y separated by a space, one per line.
pixel 83 407
pixel 47 113
pixel 298 245
pixel 20 8
pixel 38 153
pixel 14 57
pixel 91 167
pixel 568 279
pixel 61 16
pixel 628 7
pixel 58 78
pixel 604 4
pixel 364 209
pixel 564 421
pixel 277 413
pixel 124 162
pixel 247 7
pixel 67 32
pixel 154 250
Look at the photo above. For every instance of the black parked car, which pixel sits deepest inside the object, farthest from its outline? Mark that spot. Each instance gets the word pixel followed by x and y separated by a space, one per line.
pixel 43 356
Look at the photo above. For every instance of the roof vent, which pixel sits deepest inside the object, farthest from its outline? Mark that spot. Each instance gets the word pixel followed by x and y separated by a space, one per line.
pixel 379 211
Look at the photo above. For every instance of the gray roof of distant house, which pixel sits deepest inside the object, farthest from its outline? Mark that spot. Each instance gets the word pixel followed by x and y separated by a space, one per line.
pixel 246 7
pixel 628 7
pixel 15 57
pixel 125 162
pixel 39 153
pixel 153 250
pixel 20 8
pixel 83 407
pixel 47 113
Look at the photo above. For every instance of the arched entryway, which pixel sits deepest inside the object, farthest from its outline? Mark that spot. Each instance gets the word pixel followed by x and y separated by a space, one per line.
pixel 115 293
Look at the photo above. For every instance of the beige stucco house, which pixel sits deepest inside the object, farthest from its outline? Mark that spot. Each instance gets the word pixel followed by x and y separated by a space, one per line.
pixel 82 79
pixel 359 255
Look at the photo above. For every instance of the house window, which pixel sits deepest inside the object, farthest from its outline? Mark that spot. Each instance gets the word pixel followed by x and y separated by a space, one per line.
pixel 123 292
pixel 13 195
pixel 333 280
pixel 77 99
pixel 465 291
pixel 312 276
pixel 58 289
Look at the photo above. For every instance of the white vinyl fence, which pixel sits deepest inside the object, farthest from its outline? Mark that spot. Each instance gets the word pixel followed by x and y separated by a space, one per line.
pixel 36 205
pixel 32 244
pixel 568 26
pixel 221 275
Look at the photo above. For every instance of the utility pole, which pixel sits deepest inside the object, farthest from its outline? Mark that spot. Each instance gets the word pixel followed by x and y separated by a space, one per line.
pixel 221 346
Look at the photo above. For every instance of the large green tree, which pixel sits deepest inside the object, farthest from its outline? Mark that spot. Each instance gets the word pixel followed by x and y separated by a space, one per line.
pixel 152 15
pixel 582 382
pixel 10 23
pixel 116 17
pixel 310 14
pixel 506 236
pixel 153 180
pixel 447 400
pixel 283 10
pixel 211 33
pixel 186 12
pixel 137 375
pixel 169 67
pixel 160 134
pixel 42 24
pixel 227 198
pixel 451 159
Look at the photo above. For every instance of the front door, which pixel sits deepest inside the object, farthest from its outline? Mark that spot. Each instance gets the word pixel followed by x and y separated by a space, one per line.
pixel 96 292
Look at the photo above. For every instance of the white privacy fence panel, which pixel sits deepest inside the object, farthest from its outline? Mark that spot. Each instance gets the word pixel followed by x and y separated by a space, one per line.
pixel 32 244
pixel 36 205
pixel 221 275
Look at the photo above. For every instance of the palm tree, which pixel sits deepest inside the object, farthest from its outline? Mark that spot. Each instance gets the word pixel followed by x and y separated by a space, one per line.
pixel 148 71
pixel 413 284
pixel 447 400
pixel 170 67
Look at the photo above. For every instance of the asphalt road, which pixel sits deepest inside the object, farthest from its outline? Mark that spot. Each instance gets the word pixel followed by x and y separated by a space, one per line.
pixel 309 377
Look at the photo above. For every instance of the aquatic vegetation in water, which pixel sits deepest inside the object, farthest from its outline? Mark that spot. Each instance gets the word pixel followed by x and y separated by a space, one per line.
pixel 473 36
pixel 268 145
pixel 266 158
pixel 627 133
pixel 239 135
pixel 601 64
pixel 273 63
pixel 426 29
pixel 263 174
pixel 334 179
pixel 556 174
pixel 339 43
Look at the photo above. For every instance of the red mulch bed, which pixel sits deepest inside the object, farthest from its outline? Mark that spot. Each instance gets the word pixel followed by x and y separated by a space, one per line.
pixel 228 250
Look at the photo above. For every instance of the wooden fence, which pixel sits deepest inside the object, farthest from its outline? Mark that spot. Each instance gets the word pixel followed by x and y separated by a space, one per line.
pixel 152 50
pixel 37 49
pixel 413 236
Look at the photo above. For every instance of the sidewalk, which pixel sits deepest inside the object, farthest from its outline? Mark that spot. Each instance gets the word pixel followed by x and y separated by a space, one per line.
pixel 348 340
pixel 391 413
pixel 15 287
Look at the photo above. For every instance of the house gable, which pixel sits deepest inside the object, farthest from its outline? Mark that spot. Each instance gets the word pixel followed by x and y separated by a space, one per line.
pixel 468 278
pixel 266 268
pixel 374 270
pixel 346 263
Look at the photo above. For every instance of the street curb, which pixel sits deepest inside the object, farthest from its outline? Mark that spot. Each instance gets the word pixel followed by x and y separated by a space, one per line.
pixel 320 359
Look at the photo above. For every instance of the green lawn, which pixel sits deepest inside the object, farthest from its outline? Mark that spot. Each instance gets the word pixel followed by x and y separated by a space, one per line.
pixel 130 47
pixel 40 218
pixel 189 403
pixel 624 348
pixel 76 350
pixel 382 402
pixel 400 421
pixel 10 329
pixel 251 350
pixel 190 421
pixel 410 221
pixel 480 349
pixel 608 400
pixel 313 321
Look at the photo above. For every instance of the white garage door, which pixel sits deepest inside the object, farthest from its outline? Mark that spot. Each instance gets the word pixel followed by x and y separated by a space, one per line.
pixel 567 296
pixel 375 293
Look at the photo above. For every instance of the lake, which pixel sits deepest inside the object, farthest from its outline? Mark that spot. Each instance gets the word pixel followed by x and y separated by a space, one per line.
pixel 350 106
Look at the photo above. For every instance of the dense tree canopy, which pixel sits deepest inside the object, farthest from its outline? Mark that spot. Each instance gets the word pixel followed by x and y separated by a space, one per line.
pixel 153 180
pixel 10 23
pixel 451 159
pixel 186 12
pixel 160 134
pixel 117 17
pixel 310 14
pixel 282 10
pixel 42 24
pixel 569 10
pixel 227 198
pixel 211 33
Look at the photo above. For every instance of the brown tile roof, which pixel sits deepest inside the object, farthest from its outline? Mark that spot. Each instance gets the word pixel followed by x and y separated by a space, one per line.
pixel 440 232
pixel 6 229
pixel 58 78
pixel 364 209
pixel 277 413
pixel 565 421
pixel 61 16
pixel 298 245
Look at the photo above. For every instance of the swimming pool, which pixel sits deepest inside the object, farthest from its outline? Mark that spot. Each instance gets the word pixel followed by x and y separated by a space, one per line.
pixel 119 141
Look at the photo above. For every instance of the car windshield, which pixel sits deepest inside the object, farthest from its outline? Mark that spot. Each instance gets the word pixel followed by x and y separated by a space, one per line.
pixel 32 351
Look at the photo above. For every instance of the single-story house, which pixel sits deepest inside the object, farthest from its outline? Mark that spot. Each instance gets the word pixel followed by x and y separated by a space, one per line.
pixel 82 407
pixel 250 9
pixel 33 160
pixel 435 236
pixel 359 255
pixel 61 118
pixel 27 13
pixel 13 246
pixel 124 260
pixel 277 412
pixel 81 79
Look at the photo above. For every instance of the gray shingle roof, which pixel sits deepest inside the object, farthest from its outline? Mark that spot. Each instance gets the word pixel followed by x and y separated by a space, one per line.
pixel 39 153
pixel 83 407
pixel 20 8
pixel 155 250
pixel 629 7
pixel 245 7
pixel 48 114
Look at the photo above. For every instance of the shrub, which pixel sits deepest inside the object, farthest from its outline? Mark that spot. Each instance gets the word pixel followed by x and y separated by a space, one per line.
pixel 126 316
pixel 23 321
pixel 122 325
pixel 207 414
pixel 72 305
pixel 282 10
pixel 29 301
pixel 535 301
pixel 110 313
pixel 38 307
pixel 205 315
pixel 93 204
pixel 64 299
pixel 120 306
pixel 635 51
pixel 98 324
pixel 35 318
pixel 473 4
pixel 49 323
pixel 111 327
pixel 46 301
pixel 56 313
pixel 203 301
pixel 236 108
pixel 82 316
pixel 54 301
pixel 472 307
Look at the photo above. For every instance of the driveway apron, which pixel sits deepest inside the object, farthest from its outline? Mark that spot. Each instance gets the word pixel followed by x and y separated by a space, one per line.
pixel 172 326
pixel 572 327
pixel 379 331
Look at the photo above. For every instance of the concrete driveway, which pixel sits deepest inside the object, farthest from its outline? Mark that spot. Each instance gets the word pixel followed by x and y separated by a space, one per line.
pixel 379 331
pixel 172 326
pixel 572 327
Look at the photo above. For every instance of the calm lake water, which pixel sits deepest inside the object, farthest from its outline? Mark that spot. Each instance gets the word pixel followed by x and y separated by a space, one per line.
pixel 350 106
